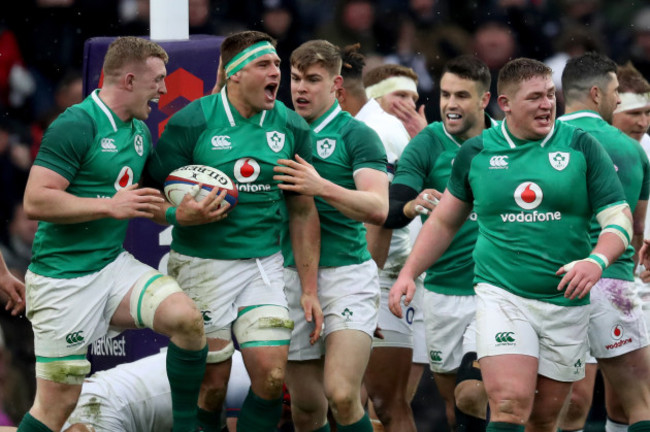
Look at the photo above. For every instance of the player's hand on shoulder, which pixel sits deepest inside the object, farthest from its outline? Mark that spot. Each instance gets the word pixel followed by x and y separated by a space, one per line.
pixel 12 292
pixel 298 176
pixel 424 203
pixel 579 277
pixel 403 287
pixel 132 202
pixel 210 209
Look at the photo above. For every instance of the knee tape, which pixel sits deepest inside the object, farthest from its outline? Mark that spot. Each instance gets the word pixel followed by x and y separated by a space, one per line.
pixel 148 292
pixel 222 355
pixel 469 369
pixel 63 371
pixel 266 325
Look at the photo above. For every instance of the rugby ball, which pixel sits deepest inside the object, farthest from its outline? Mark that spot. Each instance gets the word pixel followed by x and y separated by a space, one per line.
pixel 187 179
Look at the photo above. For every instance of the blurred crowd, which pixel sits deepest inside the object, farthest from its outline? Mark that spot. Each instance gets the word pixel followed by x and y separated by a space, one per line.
pixel 41 59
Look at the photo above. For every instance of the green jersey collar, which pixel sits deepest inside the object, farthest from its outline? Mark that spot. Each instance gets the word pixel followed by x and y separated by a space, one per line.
pixel 452 138
pixel 320 123
pixel 581 114
pixel 513 141
pixel 232 113
pixel 114 120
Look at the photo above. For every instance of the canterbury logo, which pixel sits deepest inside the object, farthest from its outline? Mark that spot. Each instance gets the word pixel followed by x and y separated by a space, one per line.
pixel 75 337
pixel 504 337
pixel 497 162
pixel 108 144
pixel 436 356
pixel 221 142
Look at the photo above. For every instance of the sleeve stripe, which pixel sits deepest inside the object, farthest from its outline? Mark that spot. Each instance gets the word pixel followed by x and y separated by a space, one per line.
pixel 617 228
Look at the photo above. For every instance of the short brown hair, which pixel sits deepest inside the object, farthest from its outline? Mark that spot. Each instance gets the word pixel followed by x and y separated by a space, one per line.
pixel 236 43
pixel 129 49
pixel 319 52
pixel 630 80
pixel 519 70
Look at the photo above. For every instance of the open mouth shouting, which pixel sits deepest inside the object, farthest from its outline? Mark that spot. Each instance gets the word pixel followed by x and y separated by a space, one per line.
pixel 153 100
pixel 270 91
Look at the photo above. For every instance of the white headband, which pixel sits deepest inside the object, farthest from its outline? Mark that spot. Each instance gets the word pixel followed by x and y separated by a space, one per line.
pixel 632 101
pixel 390 85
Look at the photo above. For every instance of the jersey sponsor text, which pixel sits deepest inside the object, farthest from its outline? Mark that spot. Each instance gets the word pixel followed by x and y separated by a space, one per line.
pixel 531 217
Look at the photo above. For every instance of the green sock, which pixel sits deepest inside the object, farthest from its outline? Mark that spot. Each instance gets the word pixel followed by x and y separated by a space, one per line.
pixel 208 421
pixel 640 426
pixel 504 427
pixel 185 370
pixel 325 428
pixel 30 424
pixel 363 425
pixel 259 415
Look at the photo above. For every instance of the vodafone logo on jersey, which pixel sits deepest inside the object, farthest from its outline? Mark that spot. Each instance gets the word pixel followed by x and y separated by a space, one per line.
pixel 247 170
pixel 528 195
pixel 124 178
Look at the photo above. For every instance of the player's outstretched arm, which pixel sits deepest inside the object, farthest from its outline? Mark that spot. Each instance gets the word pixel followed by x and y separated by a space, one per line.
pixel 46 199
pixel 304 229
pixel 369 203
pixel 12 289
pixel 432 241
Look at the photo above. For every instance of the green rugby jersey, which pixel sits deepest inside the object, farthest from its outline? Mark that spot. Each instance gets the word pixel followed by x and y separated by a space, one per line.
pixel 98 154
pixel 534 201
pixel 210 131
pixel 632 168
pixel 342 146
pixel 426 164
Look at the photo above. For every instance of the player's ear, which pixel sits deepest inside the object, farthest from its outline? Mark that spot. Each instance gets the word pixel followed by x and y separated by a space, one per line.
pixel 129 78
pixel 338 83
pixel 504 103
pixel 235 77
pixel 485 100
pixel 595 94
